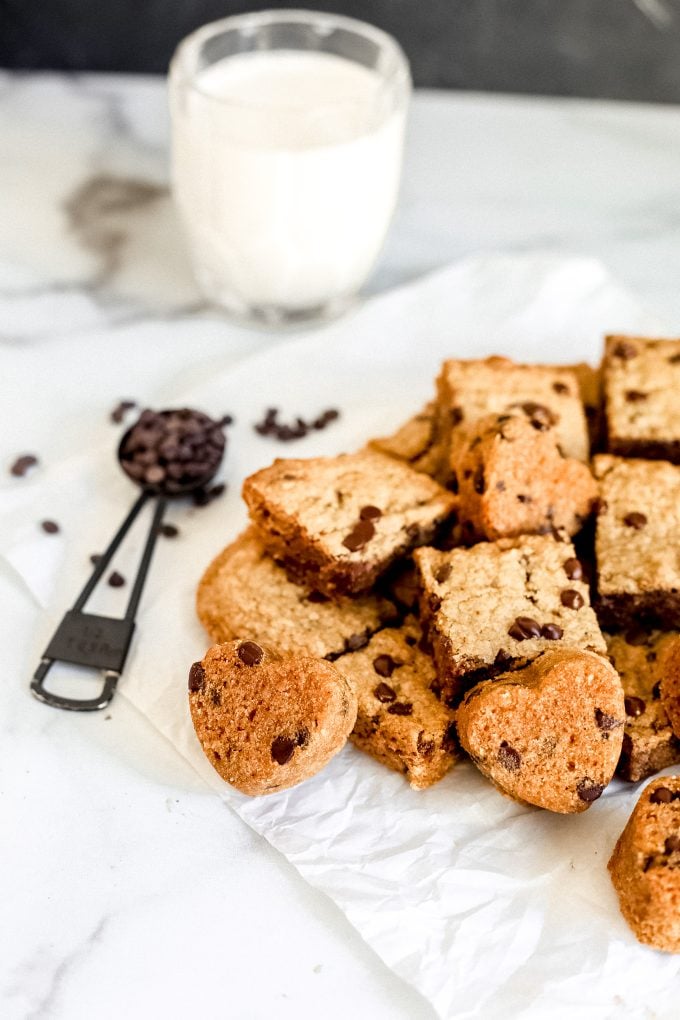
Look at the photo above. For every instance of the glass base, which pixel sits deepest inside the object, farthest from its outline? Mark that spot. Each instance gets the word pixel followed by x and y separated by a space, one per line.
pixel 276 318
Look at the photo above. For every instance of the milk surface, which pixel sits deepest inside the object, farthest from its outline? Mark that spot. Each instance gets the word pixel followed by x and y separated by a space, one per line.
pixel 286 169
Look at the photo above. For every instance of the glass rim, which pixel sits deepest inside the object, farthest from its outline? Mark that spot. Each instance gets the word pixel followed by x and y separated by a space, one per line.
pixel 399 75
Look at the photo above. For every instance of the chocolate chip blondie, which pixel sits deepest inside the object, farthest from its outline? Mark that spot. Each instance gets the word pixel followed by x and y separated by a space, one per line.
pixel 499 604
pixel 337 523
pixel 400 722
pixel 267 723
pixel 513 479
pixel 637 543
pixel 645 866
pixel 549 734
pixel 641 385
pixel 245 594
pixel 470 390
pixel 641 660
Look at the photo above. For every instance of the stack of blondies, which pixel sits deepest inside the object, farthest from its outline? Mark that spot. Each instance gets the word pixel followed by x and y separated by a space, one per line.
pixel 499 578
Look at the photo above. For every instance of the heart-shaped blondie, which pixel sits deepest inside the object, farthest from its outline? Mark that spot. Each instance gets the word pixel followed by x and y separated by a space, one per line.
pixel 549 734
pixel 265 722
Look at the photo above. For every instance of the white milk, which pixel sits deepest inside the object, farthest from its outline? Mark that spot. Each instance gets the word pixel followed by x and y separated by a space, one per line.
pixel 286 169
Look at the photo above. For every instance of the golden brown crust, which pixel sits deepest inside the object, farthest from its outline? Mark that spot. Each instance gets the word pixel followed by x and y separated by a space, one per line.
pixel 245 594
pixel 645 866
pixel 267 723
pixel 514 480
pixel 549 734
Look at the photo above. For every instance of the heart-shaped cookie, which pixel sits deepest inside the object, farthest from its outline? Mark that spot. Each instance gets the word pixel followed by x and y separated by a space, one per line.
pixel 267 723
pixel 549 734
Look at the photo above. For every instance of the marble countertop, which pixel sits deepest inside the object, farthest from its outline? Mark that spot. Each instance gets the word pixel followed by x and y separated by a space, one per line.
pixel 128 888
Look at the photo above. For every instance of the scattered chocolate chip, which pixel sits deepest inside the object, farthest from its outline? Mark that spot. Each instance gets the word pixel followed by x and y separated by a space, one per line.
pixel 119 411
pixel 456 415
pixel 503 659
pixel 169 530
pixel 561 388
pixel 541 417
pixel 634 707
pixel 250 653
pixel 384 693
pixel 22 465
pixel 672 844
pixel 361 533
pixel 635 396
pixel 215 697
pixel 225 420
pixel 523 628
pixel 401 708
pixel 606 722
pixel 662 795
pixel 302 737
pixel 573 568
pixel 635 520
pixel 423 745
pixel 49 527
pixel 271 426
pixel 523 498
pixel 625 351
pixel 116 580
pixel 434 603
pixel 508 757
pixel 317 596
pixel 356 641
pixel 443 573
pixel 572 599
pixel 589 791
pixel 369 513
pixel 551 632
pixel 95 558
pixel 385 665
pixel 282 750
pixel 203 496
pixel 196 677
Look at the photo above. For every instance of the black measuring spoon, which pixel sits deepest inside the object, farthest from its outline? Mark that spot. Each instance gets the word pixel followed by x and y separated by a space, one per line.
pixel 169 454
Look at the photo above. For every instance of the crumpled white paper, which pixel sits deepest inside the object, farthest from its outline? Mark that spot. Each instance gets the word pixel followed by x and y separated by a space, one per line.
pixel 489 908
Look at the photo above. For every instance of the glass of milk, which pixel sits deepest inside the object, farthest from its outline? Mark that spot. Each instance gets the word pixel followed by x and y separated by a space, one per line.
pixel 288 131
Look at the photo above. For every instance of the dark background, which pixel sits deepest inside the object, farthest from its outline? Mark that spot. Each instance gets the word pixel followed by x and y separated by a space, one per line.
pixel 623 49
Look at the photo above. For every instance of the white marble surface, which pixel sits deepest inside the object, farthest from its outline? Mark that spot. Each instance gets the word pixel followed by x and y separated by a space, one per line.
pixel 127 888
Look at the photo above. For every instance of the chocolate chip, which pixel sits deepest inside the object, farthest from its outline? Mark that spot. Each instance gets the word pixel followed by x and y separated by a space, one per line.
pixel 384 693
pixel 169 530
pixel 572 599
pixel 317 596
pixel 634 707
pixel 500 486
pixel 635 520
pixel 523 498
pixel 589 791
pixel 401 708
pixel 49 527
pixel 662 795
pixel 573 568
pixel 22 465
pixel 674 359
pixel 434 603
pixel 302 737
pixel 370 513
pixel 656 691
pixel 479 482
pixel 250 653
pixel 443 573
pixel 606 722
pixel 456 415
pixel 635 396
pixel 225 420
pixel 625 351
pixel 95 558
pixel 599 506
pixel 452 484
pixel 215 697
pixel 385 665
pixel 356 641
pixel 361 533
pixel 423 745
pixel 508 757
pixel 503 659
pixel 116 580
pixel 196 677
pixel 551 632
pixel 541 417
pixel 282 750
pixel 118 412
pixel 560 387
pixel 523 628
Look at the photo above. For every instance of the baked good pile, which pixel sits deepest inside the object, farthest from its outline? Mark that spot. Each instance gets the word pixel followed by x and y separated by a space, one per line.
pixel 498 580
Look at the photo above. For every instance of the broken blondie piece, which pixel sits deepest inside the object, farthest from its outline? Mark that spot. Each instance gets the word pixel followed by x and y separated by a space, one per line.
pixel 641 385
pixel 499 604
pixel 400 722
pixel 337 523
pixel 637 543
